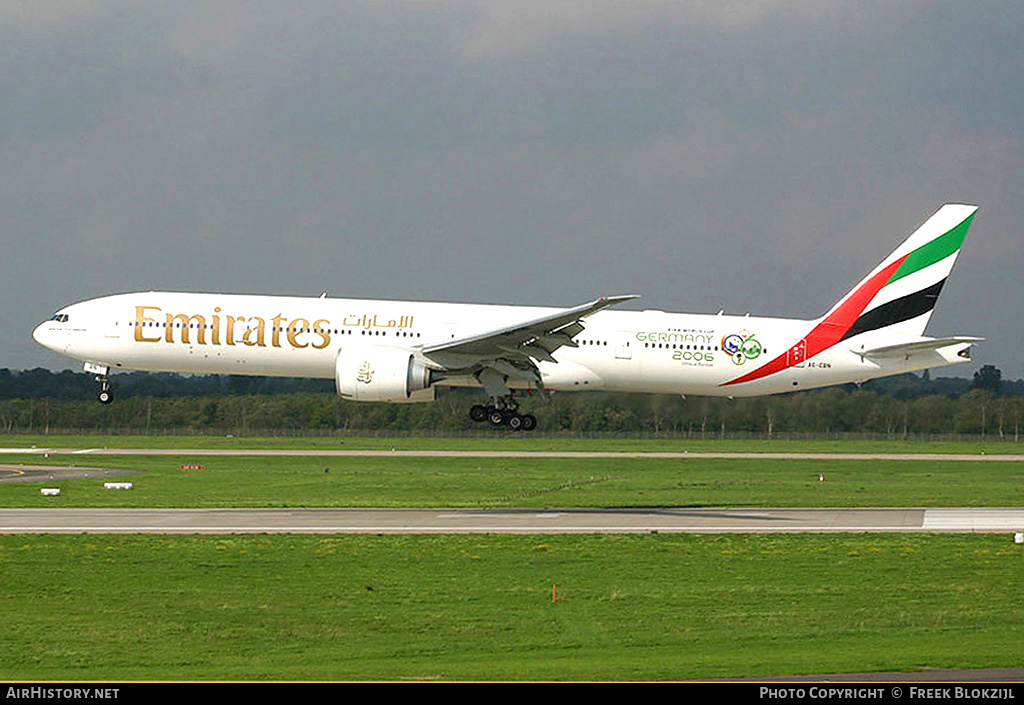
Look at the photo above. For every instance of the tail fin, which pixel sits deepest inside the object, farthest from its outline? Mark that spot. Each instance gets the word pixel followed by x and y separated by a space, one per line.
pixel 900 293
pixel 896 297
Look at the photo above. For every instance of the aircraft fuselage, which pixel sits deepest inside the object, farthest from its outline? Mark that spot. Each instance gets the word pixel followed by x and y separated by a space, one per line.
pixel 627 351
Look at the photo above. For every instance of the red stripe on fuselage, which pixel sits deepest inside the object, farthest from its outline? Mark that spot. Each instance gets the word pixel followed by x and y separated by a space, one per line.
pixel 830 331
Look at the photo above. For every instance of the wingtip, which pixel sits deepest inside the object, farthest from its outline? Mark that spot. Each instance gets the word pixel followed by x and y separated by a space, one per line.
pixel 615 299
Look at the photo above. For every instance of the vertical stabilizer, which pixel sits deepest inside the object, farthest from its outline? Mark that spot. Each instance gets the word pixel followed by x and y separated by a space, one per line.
pixel 900 293
pixel 898 296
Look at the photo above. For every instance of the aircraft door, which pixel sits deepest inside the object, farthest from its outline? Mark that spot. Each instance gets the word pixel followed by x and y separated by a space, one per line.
pixel 797 352
pixel 623 349
pixel 449 332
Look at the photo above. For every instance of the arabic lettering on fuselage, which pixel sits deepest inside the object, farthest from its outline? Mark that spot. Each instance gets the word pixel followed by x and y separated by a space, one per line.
pixel 376 321
pixel 217 328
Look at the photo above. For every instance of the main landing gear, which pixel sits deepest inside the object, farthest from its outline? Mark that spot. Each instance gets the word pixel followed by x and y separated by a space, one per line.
pixel 506 415
pixel 503 409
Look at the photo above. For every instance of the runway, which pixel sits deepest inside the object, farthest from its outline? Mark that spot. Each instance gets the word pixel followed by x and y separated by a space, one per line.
pixel 509 521
pixel 394 453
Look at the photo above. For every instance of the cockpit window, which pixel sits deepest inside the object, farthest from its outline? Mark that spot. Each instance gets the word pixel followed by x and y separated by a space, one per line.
pixel 60 317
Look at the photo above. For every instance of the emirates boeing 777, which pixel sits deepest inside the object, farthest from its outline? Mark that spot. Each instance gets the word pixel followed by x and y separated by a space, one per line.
pixel 403 351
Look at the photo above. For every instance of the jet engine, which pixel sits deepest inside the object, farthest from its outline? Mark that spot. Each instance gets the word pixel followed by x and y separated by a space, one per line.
pixel 383 373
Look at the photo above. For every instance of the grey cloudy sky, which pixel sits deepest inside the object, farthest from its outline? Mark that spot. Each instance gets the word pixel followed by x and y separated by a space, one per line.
pixel 754 156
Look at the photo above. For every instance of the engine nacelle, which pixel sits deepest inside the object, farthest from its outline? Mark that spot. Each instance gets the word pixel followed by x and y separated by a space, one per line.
pixel 382 373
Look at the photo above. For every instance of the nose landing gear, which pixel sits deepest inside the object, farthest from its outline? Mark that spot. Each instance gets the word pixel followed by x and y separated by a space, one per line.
pixel 106 395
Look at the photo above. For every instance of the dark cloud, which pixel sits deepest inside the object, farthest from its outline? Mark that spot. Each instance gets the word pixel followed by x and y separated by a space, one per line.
pixel 755 156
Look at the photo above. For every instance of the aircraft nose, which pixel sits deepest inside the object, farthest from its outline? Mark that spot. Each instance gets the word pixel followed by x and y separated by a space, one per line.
pixel 43 335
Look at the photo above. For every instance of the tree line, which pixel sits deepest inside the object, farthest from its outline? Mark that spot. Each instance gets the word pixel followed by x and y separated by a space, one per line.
pixel 41 383
pixel 39 401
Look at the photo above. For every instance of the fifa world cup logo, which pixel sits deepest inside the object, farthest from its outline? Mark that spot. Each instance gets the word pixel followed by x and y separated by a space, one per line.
pixel 741 347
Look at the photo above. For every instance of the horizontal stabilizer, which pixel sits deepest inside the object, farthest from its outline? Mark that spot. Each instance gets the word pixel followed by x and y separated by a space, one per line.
pixel 915 347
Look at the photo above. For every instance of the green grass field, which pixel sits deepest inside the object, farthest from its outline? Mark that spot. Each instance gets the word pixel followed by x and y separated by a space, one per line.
pixel 527 482
pixel 480 607
pixel 656 606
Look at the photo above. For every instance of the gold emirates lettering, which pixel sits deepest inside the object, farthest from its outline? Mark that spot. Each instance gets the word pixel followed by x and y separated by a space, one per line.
pixel 216 329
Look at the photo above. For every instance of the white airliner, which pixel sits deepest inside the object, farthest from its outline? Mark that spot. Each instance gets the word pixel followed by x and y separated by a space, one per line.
pixel 402 351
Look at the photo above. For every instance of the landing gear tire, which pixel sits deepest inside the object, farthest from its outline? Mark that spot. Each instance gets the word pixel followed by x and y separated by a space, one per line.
pixel 503 412
pixel 105 396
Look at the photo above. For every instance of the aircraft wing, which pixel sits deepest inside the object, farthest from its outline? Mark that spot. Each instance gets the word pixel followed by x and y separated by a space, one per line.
pixel 522 342
pixel 914 347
